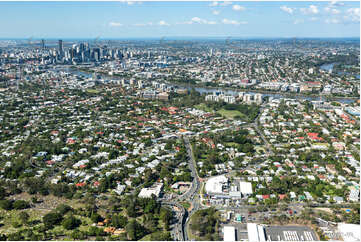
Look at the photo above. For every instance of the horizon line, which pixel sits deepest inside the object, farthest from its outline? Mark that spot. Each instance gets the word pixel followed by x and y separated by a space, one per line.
pixel 185 37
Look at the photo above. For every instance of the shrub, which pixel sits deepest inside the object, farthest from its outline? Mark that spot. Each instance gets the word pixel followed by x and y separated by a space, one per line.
pixel 21 204
pixel 6 204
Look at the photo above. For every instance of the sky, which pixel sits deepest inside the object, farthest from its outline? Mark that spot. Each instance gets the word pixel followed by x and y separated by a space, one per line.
pixel 124 19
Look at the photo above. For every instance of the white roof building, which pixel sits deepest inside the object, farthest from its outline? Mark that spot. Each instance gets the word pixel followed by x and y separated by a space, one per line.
pixel 120 189
pixel 215 184
pixel 229 233
pixel 354 195
pixel 349 232
pixel 246 188
pixel 148 192
pixel 255 232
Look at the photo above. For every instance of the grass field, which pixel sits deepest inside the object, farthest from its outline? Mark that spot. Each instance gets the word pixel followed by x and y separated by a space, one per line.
pixel 232 144
pixel 230 113
pixel 186 205
pixel 92 91
pixel 203 107
pixel 259 148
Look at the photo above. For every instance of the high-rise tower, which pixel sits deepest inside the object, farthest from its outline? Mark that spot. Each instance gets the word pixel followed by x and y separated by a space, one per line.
pixel 61 47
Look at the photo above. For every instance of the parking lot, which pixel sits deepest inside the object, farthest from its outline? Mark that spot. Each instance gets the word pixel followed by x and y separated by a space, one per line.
pixel 290 233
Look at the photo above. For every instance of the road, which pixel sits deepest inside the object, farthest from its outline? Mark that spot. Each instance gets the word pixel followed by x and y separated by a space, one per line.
pixel 255 124
pixel 192 165
pixel 193 192
pixel 179 231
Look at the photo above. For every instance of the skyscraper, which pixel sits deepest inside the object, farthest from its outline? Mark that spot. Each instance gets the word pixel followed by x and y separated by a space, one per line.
pixel 61 47
pixel 43 44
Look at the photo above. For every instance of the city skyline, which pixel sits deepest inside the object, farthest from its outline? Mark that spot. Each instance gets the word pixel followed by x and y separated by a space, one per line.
pixel 180 19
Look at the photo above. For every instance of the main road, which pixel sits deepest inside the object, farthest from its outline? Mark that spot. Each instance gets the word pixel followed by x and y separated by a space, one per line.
pixel 193 192
pixel 180 228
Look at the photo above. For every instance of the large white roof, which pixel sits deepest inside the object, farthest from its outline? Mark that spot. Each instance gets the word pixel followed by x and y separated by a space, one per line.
pixel 214 184
pixel 350 232
pixel 255 232
pixel 229 233
pixel 245 187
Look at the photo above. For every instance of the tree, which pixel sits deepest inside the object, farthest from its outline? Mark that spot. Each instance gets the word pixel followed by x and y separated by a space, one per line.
pixel 95 231
pixel 6 204
pixel 131 210
pixel 160 236
pixel 134 230
pixel 95 217
pixel 2 193
pixel 24 217
pixel 71 222
pixel 165 216
pixel 119 221
pixel 15 236
pixel 51 219
pixel 78 235
pixel 63 209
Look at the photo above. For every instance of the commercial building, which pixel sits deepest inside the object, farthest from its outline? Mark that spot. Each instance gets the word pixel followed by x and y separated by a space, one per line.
pixel 246 188
pixel 215 184
pixel 229 233
pixel 148 192
pixel 255 232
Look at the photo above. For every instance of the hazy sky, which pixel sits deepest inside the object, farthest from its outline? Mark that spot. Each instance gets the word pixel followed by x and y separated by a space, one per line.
pixel 157 19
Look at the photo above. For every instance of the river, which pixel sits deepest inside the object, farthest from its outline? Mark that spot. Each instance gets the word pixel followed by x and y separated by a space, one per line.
pixel 327 67
pixel 205 90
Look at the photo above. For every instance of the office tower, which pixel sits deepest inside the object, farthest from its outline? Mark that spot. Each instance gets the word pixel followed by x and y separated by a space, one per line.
pixel 82 47
pixel 43 44
pixel 61 47
pixel 97 54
